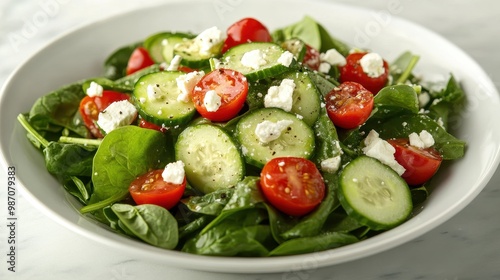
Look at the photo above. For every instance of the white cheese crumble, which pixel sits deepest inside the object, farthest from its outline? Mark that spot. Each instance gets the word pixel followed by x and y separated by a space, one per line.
pixel 331 165
pixel 119 113
pixel 280 96
pixel 153 91
pixel 253 59
pixel 423 99
pixel 208 39
pixel 212 101
pixel 174 173
pixel 94 89
pixel 268 131
pixel 175 63
pixel 372 64
pixel 324 67
pixel 380 149
pixel 186 84
pixel 333 57
pixel 422 140
pixel 286 58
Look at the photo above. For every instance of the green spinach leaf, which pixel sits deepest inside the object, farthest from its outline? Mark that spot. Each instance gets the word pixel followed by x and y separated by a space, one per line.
pixel 57 110
pixel 124 154
pixel 240 234
pixel 317 243
pixel 69 159
pixel 151 223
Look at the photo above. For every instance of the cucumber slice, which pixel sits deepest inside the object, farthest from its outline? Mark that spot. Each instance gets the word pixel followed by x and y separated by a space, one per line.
pixel 306 97
pixel 295 46
pixel 212 159
pixel 374 194
pixel 268 53
pixel 163 108
pixel 160 45
pixel 296 140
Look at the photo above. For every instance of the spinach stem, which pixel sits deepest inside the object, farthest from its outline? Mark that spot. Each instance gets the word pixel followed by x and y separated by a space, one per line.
pixel 103 203
pixel 82 141
pixel 404 76
pixel 24 122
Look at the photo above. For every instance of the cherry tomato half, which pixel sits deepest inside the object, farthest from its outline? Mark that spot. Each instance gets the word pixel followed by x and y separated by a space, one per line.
pixel 349 105
pixel 232 88
pixel 312 58
pixel 292 185
pixel 150 188
pixel 90 107
pixel 353 72
pixel 244 31
pixel 420 164
pixel 139 59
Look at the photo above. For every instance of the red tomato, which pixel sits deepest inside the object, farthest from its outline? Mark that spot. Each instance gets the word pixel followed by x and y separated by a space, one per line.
pixel 353 72
pixel 90 107
pixel 244 31
pixel 150 188
pixel 231 86
pixel 312 58
pixel 292 185
pixel 420 164
pixel 139 59
pixel 145 124
pixel 349 105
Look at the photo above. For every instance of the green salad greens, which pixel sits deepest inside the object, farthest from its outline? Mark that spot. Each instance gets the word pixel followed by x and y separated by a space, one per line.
pixel 224 208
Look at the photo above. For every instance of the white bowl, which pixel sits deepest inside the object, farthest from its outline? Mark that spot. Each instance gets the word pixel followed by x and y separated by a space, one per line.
pixel 79 54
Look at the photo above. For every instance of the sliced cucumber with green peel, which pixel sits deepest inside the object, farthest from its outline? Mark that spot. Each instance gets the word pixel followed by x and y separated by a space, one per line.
pixel 160 45
pixel 306 97
pixel 212 159
pixel 374 194
pixel 267 53
pixel 295 46
pixel 296 139
pixel 155 96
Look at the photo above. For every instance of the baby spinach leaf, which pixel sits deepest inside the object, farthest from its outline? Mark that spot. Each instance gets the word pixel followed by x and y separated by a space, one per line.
pixel 57 110
pixel 392 101
pixel 317 243
pixel 124 154
pixel 240 234
pixel 327 145
pixel 311 224
pixel 151 223
pixel 115 65
pixel 446 102
pixel 69 159
pixel 211 203
pixel 448 146
pixel 79 187
pixel 246 195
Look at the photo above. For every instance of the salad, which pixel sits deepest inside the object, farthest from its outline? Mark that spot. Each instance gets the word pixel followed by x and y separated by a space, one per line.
pixel 248 142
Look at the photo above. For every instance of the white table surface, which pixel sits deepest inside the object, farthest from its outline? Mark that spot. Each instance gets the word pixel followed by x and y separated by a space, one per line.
pixel 465 247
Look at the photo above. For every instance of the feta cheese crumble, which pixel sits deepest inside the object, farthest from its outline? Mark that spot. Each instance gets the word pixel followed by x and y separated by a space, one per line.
pixel 94 89
pixel 324 67
pixel 333 57
pixel 280 96
pixel 119 113
pixel 268 131
pixel 253 59
pixel 175 63
pixel 331 165
pixel 212 101
pixel 372 64
pixel 153 91
pixel 380 149
pixel 422 140
pixel 286 58
pixel 207 40
pixel 174 173
pixel 186 84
